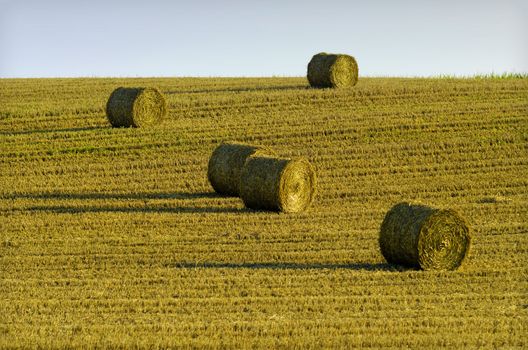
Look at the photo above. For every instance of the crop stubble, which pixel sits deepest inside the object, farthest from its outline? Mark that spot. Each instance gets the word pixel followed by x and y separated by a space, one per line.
pixel 114 236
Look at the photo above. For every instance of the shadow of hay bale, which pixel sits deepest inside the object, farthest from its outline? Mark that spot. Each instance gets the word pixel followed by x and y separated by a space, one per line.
pixel 283 266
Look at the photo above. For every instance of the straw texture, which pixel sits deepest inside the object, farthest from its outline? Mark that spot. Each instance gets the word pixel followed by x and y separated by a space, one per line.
pixel 225 165
pixel 136 107
pixel 424 237
pixel 277 184
pixel 332 71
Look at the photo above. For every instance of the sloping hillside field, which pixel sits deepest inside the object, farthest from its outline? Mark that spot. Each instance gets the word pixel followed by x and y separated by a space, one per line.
pixel 113 237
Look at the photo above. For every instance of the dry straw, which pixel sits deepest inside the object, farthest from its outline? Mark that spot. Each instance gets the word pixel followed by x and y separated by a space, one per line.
pixel 277 184
pixel 225 165
pixel 136 107
pixel 332 70
pixel 424 237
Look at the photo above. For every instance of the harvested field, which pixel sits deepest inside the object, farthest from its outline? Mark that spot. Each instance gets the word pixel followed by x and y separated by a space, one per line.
pixel 113 237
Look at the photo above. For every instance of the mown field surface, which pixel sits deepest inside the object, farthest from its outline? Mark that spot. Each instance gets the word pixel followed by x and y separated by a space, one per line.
pixel 114 238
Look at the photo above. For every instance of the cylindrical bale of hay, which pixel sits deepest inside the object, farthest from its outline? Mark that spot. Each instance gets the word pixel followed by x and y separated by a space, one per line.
pixel 225 165
pixel 136 107
pixel 332 70
pixel 277 184
pixel 424 237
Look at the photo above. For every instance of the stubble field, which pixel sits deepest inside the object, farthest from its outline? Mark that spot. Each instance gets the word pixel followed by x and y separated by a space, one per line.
pixel 114 237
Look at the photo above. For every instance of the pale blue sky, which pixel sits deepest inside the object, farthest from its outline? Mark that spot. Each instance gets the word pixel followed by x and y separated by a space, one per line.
pixel 52 38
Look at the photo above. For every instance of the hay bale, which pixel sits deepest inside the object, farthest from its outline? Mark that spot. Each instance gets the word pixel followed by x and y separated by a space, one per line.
pixel 332 70
pixel 277 184
pixel 136 107
pixel 424 237
pixel 225 165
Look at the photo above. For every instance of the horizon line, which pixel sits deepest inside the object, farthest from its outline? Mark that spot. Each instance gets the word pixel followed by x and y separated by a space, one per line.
pixel 276 76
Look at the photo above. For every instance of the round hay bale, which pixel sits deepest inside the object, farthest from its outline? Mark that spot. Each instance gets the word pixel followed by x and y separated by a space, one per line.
pixel 277 184
pixel 424 237
pixel 136 107
pixel 225 166
pixel 332 71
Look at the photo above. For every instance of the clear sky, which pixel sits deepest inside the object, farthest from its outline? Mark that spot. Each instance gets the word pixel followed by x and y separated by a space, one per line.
pixel 69 38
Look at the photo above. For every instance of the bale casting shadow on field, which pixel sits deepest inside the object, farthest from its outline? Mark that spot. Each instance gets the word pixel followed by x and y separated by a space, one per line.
pixel 147 209
pixel 285 266
pixel 103 195
pixel 241 89
pixel 43 131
